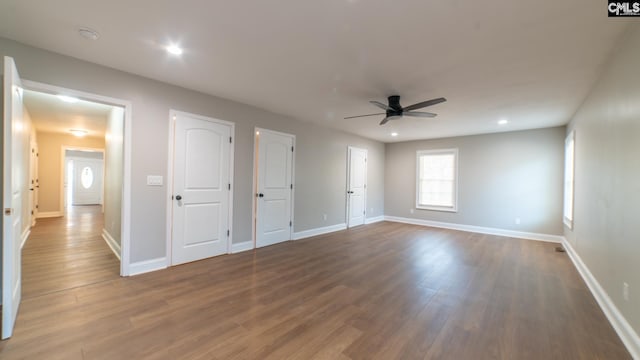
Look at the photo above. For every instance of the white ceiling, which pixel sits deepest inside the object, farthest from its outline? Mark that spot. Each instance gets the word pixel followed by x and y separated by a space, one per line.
pixel 531 62
pixel 50 114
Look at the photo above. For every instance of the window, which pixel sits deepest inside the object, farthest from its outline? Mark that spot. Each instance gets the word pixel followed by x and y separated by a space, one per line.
pixel 437 180
pixel 569 157
pixel 86 178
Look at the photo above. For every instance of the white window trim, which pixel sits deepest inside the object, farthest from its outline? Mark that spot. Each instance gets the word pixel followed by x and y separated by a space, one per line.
pixel 453 208
pixel 569 222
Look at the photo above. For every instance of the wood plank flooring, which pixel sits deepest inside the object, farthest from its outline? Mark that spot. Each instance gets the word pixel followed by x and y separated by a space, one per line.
pixel 381 291
pixel 67 252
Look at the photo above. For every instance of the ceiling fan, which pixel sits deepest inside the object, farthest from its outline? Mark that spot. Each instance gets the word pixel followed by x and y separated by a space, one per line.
pixel 395 111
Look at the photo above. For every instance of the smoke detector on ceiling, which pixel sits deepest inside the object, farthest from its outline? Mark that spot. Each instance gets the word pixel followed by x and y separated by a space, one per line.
pixel 88 33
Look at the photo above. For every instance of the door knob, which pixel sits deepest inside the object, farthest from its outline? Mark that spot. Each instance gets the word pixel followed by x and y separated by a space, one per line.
pixel 349 192
pixel 261 195
pixel 178 197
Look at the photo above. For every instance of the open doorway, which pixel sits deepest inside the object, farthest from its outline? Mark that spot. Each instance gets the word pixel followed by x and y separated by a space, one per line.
pixel 76 237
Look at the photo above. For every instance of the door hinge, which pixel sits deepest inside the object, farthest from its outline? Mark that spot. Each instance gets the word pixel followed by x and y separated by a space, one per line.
pixel 229 186
pixel 228 232
pixel 364 213
pixel 36 206
pixel 292 149
pixel 230 140
pixel 365 186
pixel 31 212
pixel 291 186
pixel 290 224
pixel 365 159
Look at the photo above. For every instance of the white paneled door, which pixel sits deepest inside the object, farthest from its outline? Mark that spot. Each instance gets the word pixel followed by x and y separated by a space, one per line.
pixel 87 181
pixel 13 174
pixel 201 187
pixel 274 187
pixel 356 186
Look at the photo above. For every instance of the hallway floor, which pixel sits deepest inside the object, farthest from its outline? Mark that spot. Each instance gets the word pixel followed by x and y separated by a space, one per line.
pixel 67 252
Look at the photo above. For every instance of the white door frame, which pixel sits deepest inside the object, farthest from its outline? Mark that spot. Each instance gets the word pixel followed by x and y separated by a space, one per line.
pixel 64 169
pixel 366 175
pixel 169 204
pixel 126 184
pixel 256 133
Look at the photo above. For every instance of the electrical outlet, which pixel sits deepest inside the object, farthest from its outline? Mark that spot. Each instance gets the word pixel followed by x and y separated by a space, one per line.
pixel 324 217
pixel 517 221
pixel 625 291
pixel 411 211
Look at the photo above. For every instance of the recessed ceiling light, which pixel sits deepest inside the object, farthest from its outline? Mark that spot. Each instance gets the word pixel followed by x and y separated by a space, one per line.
pixel 78 132
pixel 174 50
pixel 394 134
pixel 503 122
pixel 69 99
pixel 88 33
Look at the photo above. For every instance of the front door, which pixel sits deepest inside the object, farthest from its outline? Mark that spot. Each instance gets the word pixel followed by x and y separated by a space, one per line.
pixel 274 187
pixel 201 187
pixel 13 174
pixel 356 186
pixel 87 181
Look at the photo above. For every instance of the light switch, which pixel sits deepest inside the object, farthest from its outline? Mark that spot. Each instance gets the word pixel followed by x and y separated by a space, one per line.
pixel 154 180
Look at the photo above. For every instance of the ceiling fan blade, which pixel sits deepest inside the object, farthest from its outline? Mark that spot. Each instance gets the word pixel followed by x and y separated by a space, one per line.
pixel 419 114
pixel 420 105
pixel 381 105
pixel 385 120
pixel 353 117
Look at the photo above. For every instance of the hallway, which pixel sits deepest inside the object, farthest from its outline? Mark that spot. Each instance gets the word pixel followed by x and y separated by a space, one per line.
pixel 67 252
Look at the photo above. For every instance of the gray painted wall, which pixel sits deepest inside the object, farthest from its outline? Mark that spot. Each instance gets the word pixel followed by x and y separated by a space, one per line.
pixel 500 177
pixel 321 157
pixel 607 178
pixel 113 173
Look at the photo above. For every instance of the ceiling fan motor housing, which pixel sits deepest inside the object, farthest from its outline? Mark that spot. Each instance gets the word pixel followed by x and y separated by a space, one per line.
pixel 394 103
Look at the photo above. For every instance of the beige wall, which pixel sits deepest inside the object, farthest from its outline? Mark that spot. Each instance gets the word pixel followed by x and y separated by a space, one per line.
pixel 49 165
pixel 607 178
pixel 321 157
pixel 500 177
pixel 113 173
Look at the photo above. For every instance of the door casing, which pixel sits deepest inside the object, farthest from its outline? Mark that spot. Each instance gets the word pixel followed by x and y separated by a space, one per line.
pixel 125 246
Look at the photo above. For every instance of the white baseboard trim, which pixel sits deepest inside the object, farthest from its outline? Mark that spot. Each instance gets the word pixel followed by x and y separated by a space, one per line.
pixel 318 231
pixel 113 244
pixel 49 214
pixel 240 247
pixel 479 229
pixel 372 220
pixel 24 237
pixel 146 266
pixel 628 336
